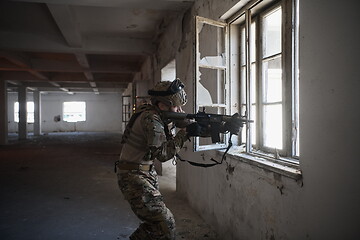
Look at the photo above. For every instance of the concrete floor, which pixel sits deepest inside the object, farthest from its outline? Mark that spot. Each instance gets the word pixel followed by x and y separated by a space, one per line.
pixel 62 186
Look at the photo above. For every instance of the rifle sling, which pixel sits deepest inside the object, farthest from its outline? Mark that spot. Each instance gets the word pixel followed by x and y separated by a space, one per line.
pixel 206 165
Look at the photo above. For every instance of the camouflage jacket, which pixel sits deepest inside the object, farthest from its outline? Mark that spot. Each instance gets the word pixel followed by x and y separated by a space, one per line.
pixel 146 140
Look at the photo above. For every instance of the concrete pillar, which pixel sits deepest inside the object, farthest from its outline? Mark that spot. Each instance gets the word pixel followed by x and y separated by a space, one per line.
pixel 3 113
pixel 37 113
pixel 22 112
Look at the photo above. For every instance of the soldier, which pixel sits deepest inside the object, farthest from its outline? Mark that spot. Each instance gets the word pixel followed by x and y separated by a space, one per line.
pixel 145 139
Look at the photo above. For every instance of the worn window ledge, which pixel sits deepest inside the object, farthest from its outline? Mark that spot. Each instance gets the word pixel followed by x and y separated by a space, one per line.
pixel 287 169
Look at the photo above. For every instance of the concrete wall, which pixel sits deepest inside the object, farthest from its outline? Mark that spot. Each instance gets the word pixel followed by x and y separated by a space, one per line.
pixel 330 116
pixel 245 202
pixel 103 112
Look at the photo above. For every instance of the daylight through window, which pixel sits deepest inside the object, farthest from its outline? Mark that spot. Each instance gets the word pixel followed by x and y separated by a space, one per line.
pixel 249 65
pixel 269 78
pixel 74 111
pixel 30 112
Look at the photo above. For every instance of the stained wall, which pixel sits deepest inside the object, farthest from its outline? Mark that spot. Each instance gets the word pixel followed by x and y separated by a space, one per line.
pixel 242 201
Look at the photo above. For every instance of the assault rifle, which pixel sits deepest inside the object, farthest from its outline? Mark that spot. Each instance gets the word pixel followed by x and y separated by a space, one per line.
pixel 211 124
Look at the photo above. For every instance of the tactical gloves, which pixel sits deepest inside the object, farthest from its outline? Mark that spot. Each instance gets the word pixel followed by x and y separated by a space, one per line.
pixel 182 123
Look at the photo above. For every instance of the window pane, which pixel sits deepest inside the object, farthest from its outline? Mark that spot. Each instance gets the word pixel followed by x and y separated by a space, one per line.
pixel 211 73
pixel 253 125
pixel 213 36
pixel 243 131
pixel 252 42
pixel 297 126
pixel 253 83
pixel 242 47
pixel 271 95
pixel 273 126
pixel 30 112
pixel 243 85
pixel 211 86
pixel 30 106
pixel 30 117
pixel 296 79
pixel 74 111
pixel 16 112
pixel 272 80
pixel 29 109
pixel 272 33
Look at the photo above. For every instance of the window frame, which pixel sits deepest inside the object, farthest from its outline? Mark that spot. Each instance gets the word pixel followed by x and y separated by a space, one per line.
pixel 84 112
pixel 198 146
pixel 261 9
pixel 286 107
pixel 28 116
pixel 284 162
pixel 126 108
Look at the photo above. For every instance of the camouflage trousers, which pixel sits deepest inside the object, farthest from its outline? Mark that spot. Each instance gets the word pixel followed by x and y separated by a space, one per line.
pixel 141 190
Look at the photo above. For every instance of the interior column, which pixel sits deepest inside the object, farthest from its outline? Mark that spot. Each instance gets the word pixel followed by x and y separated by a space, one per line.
pixel 3 113
pixel 22 112
pixel 37 113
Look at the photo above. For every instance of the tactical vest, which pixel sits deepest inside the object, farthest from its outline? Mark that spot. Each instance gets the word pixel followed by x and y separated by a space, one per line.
pixel 134 145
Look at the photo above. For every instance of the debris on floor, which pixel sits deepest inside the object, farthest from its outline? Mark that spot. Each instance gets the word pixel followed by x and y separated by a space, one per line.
pixel 62 186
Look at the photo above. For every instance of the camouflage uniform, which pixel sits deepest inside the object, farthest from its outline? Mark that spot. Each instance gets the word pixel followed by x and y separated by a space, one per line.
pixel 145 141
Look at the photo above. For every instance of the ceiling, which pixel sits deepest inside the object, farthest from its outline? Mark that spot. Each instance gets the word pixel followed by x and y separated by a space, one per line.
pixel 80 45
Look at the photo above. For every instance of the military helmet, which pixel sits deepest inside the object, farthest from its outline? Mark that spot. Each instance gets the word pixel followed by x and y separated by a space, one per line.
pixel 170 93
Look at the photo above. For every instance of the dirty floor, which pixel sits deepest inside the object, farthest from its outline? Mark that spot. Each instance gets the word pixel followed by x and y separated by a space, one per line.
pixel 62 186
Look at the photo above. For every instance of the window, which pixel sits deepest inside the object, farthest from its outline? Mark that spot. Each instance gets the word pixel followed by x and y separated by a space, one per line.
pixel 262 68
pixel 269 79
pixel 126 109
pixel 211 83
pixel 29 109
pixel 74 111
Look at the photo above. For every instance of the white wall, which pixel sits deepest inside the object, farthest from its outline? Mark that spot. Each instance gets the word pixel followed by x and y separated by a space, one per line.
pixel 247 203
pixel 330 117
pixel 103 112
pixel 168 73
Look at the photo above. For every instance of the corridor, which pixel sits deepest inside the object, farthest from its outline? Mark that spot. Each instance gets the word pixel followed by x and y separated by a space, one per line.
pixel 63 186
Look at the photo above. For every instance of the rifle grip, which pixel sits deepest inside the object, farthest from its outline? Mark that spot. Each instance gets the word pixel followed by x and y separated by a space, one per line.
pixel 215 132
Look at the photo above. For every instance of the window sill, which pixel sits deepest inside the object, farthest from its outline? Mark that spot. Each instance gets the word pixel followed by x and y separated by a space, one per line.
pixel 286 169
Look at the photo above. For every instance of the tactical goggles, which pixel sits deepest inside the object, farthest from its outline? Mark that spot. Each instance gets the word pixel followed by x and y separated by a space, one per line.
pixel 175 87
